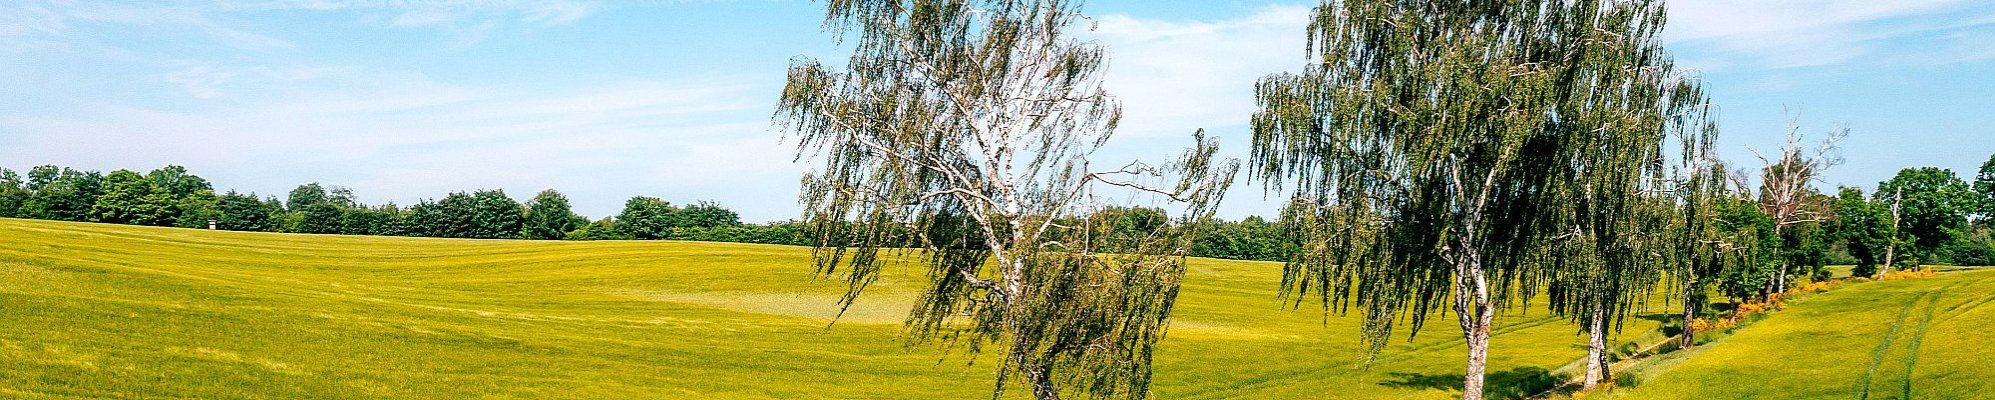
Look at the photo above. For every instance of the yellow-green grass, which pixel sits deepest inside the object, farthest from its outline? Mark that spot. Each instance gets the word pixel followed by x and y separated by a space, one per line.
pixel 108 311
pixel 1926 338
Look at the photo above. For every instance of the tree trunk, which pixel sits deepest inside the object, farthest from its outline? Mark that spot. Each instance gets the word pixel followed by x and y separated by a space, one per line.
pixel 1478 364
pixel 1042 384
pixel 1890 252
pixel 1689 313
pixel 1596 349
pixel 1477 314
pixel 1780 282
pixel 1035 373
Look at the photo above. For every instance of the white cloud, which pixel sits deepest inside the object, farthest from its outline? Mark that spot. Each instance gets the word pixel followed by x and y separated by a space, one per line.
pixel 1799 33
pixel 170 18
pixel 399 137
pixel 445 12
pixel 1177 76
pixel 26 19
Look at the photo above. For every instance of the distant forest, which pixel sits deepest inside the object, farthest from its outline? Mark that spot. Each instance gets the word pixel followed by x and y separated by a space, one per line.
pixel 173 196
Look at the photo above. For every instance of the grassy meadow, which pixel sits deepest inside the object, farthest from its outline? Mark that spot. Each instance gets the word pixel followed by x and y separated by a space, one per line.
pixel 1922 338
pixel 111 311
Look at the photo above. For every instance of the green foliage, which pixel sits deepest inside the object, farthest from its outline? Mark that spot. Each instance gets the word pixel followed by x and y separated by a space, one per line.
pixel 305 195
pixel 1984 185
pixel 964 128
pixel 1976 248
pixel 62 194
pixel 130 198
pixel 383 220
pixel 495 215
pixel 648 218
pixel 315 208
pixel 1935 206
pixel 548 217
pixel 13 194
pixel 1252 238
pixel 1751 234
pixel 244 212
pixel 706 215
pixel 1865 228
pixel 482 214
pixel 602 229
pixel 1435 145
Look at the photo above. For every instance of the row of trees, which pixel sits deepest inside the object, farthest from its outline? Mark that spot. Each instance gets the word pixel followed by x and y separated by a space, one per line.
pixel 172 196
pixel 1444 157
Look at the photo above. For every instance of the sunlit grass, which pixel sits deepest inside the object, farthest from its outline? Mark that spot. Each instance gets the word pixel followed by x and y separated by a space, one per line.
pixel 1925 338
pixel 105 311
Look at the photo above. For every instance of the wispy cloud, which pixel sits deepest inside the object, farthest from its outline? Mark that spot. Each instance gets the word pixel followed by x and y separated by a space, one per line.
pixel 404 137
pixel 57 18
pixel 1177 76
pixel 1800 33
pixel 23 19
pixel 446 12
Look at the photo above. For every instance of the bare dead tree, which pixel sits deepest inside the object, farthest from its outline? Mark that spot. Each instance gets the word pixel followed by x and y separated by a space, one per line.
pixel 1786 190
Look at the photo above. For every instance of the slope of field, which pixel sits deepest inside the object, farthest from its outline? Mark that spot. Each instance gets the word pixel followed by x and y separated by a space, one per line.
pixel 106 311
pixel 1925 338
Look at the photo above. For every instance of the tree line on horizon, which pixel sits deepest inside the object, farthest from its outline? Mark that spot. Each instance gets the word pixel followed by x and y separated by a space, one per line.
pixel 173 196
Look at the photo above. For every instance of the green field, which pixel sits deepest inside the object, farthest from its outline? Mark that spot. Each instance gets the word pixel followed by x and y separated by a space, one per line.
pixel 109 311
pixel 1921 338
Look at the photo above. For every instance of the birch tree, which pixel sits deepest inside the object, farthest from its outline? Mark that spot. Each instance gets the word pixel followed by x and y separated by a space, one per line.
pixel 1441 145
pixel 1699 251
pixel 966 127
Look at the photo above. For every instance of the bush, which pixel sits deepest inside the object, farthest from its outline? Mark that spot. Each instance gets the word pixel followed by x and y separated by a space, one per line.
pixel 1628 380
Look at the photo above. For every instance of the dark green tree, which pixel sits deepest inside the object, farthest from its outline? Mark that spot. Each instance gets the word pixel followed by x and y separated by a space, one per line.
pixel 1251 238
pixel 1984 184
pixel 962 129
pixel 176 181
pixel 197 209
pixel 306 195
pixel 244 212
pixel 648 218
pixel 495 215
pixel 1750 233
pixel 1934 205
pixel 602 229
pixel 13 194
pixel 378 220
pixel 548 217
pixel 1700 249
pixel 1865 227
pixel 431 218
pixel 130 198
pixel 321 217
pixel 1448 146
pixel 320 209
pixel 62 194
pixel 707 215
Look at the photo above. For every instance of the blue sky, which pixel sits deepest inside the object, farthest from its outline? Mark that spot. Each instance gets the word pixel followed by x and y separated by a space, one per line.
pixel 402 101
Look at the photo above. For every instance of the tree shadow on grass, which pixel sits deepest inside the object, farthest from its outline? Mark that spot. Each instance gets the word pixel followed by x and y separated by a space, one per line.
pixel 1519 383
pixel 1672 324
